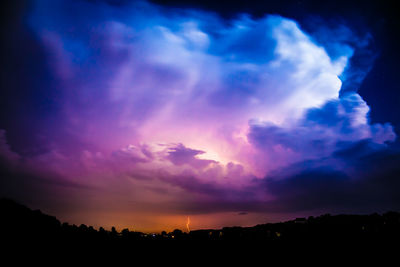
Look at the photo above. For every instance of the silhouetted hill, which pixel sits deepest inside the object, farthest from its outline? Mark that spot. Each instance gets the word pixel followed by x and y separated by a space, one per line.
pixel 21 225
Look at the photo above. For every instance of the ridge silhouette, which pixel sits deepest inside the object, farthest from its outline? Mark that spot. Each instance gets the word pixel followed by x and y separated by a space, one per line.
pixel 21 223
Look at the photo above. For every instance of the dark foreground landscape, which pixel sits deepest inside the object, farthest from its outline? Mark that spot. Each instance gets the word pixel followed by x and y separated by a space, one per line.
pixel 22 225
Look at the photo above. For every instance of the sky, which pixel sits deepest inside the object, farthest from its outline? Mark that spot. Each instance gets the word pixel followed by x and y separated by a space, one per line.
pixel 142 114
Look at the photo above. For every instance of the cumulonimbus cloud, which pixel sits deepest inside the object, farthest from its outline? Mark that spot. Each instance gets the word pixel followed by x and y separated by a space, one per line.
pixel 185 102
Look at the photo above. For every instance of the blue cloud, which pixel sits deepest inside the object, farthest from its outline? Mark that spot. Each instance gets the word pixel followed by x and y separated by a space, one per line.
pixel 321 131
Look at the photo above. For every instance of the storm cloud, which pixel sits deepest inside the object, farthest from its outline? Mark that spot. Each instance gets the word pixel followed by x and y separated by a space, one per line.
pixel 183 111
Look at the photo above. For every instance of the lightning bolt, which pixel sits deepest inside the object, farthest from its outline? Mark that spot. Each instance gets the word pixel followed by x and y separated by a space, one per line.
pixel 188 224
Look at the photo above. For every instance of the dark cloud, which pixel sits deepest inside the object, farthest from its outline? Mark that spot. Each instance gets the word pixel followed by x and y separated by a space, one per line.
pixel 319 190
pixel 370 182
pixel 26 82
pixel 360 178
pixel 251 43
pixel 342 112
pixel 180 155
pixel 25 183
pixel 132 155
pixel 45 191
pixel 310 190
pixel 194 185
pixel 6 154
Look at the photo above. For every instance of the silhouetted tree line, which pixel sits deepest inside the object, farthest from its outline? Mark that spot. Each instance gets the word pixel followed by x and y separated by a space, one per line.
pixel 21 224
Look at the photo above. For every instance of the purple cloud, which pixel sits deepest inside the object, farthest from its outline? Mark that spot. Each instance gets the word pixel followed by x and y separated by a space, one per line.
pixel 183 111
pixel 180 155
